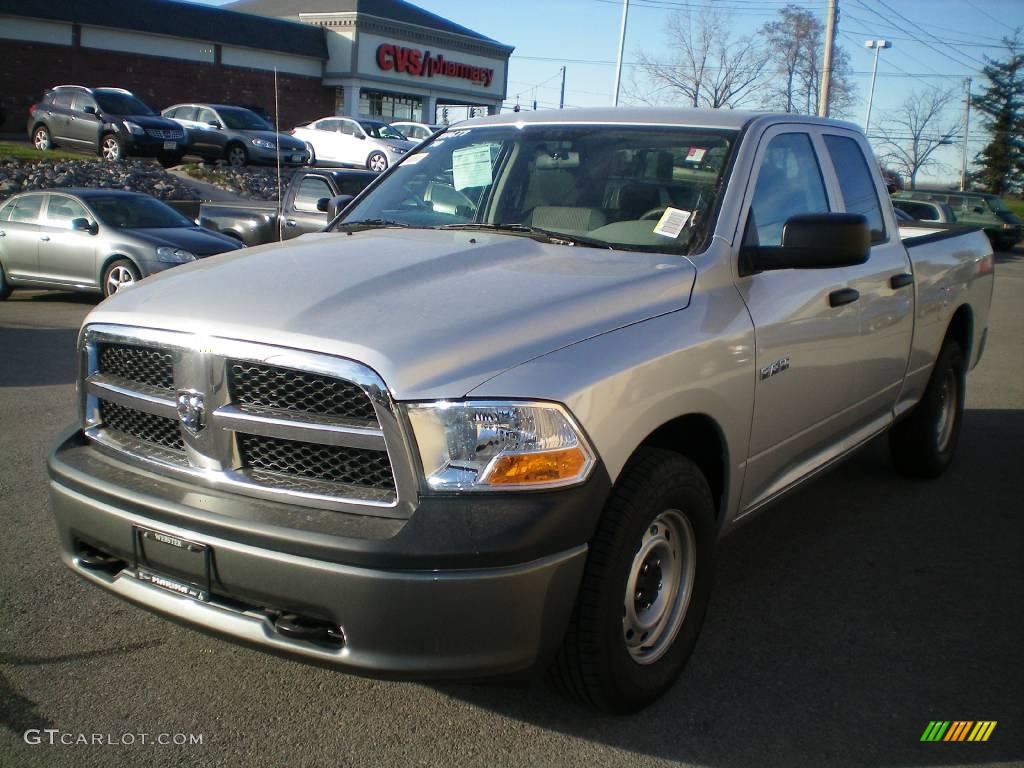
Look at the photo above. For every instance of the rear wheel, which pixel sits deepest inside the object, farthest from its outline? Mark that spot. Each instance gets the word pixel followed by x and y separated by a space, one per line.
pixel 111 147
pixel 645 587
pixel 923 444
pixel 119 275
pixel 236 156
pixel 377 161
pixel 41 138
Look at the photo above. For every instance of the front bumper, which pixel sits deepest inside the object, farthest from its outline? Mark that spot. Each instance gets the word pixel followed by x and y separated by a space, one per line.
pixel 288 156
pixel 148 146
pixel 410 600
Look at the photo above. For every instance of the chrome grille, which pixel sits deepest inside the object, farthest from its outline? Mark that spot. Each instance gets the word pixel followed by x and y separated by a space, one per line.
pixel 142 426
pixel 268 386
pixel 303 427
pixel 139 364
pixel 330 463
pixel 160 133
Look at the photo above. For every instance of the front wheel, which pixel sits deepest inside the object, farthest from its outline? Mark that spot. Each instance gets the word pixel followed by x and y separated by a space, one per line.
pixel 41 139
pixel 923 444
pixel 645 587
pixel 236 156
pixel 377 161
pixel 169 161
pixel 312 154
pixel 111 147
pixel 118 276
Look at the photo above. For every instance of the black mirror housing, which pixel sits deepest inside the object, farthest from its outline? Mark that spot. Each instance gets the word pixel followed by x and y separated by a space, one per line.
pixel 322 204
pixel 84 225
pixel 813 241
pixel 337 204
pixel 89 110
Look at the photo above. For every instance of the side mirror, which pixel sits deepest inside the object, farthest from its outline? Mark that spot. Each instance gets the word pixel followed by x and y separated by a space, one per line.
pixel 84 225
pixel 978 209
pixel 360 136
pixel 337 204
pixel 813 241
pixel 213 124
pixel 89 109
pixel 322 204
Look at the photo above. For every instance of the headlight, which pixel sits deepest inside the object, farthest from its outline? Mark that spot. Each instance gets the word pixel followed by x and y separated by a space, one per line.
pixel 264 144
pixel 174 255
pixel 498 446
pixel 134 128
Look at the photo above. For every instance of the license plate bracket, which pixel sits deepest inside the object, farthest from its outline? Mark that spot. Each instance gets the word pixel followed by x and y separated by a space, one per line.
pixel 172 563
pixel 170 145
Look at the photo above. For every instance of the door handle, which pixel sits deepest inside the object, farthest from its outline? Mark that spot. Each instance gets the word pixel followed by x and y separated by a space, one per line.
pixel 289 222
pixel 900 281
pixel 843 296
pixel 2 233
pixel 44 238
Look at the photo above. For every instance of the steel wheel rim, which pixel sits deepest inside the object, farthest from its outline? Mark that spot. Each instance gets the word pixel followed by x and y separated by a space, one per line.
pixel 948 397
pixel 659 586
pixel 118 278
pixel 111 150
pixel 236 157
pixel 42 140
pixel 378 163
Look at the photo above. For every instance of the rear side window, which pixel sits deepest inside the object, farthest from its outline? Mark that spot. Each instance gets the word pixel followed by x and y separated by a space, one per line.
pixel 789 183
pixel 63 99
pixel 310 191
pixel 856 183
pixel 26 209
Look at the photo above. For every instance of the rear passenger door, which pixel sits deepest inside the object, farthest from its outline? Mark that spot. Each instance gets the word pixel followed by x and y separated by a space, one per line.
pixel 806 350
pixel 19 237
pixel 885 282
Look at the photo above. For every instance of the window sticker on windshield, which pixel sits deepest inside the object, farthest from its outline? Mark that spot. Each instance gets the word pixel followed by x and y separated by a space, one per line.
pixel 695 155
pixel 672 222
pixel 471 166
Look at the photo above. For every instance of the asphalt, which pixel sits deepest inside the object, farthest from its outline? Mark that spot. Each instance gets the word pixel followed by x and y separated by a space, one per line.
pixel 842 621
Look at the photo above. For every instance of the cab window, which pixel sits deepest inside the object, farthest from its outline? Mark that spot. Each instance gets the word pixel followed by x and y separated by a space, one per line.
pixel 856 183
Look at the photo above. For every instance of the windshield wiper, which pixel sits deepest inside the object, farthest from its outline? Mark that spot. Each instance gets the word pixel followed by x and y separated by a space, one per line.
pixel 370 223
pixel 547 235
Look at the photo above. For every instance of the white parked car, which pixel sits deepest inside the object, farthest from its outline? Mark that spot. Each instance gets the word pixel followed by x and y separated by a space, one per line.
pixel 346 141
pixel 416 131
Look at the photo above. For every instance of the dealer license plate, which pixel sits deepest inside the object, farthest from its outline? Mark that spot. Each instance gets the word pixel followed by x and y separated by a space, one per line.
pixel 170 145
pixel 173 563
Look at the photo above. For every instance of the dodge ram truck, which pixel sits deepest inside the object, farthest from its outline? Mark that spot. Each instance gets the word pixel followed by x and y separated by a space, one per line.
pixel 497 416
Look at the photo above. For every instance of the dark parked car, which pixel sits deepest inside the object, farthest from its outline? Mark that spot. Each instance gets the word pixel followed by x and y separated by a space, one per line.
pixel 925 210
pixel 109 121
pixel 95 240
pixel 1004 228
pixel 236 135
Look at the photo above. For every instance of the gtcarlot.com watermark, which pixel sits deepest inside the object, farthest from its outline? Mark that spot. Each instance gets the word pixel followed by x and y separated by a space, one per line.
pixel 55 737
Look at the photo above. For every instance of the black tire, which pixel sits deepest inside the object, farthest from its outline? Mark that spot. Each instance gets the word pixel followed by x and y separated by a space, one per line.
pixel 377 161
pixel 923 443
pixel 41 138
pixel 236 156
pixel 116 276
pixel 5 288
pixel 111 147
pixel 595 665
pixel 312 154
pixel 169 161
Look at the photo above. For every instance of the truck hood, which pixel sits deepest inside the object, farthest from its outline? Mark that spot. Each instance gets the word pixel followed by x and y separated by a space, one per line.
pixel 435 313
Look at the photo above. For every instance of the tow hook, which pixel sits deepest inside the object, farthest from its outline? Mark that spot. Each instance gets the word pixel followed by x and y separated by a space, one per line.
pixel 297 627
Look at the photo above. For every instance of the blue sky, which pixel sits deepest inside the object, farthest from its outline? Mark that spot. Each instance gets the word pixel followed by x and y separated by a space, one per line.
pixel 946 43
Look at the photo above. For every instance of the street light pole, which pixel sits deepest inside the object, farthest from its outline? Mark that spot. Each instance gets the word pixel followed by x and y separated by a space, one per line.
pixel 878 45
pixel 967 130
pixel 622 46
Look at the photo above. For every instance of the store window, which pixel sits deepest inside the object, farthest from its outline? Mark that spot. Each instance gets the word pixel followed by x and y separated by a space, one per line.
pixel 390 106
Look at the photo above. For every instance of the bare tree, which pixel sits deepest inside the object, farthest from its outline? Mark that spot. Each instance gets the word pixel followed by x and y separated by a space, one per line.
pixel 917 128
pixel 796 50
pixel 706 65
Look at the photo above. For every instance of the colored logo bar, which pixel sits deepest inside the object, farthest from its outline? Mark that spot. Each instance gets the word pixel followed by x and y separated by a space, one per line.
pixel 958 730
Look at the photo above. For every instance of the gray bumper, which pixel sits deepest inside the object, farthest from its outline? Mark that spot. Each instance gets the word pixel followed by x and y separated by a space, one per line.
pixel 458 622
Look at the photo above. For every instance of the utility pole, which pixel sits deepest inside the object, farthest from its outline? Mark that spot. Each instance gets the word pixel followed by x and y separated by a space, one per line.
pixel 622 46
pixel 826 69
pixel 967 130
pixel 561 98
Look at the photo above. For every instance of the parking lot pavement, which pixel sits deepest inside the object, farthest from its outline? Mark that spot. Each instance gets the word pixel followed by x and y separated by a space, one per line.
pixel 842 622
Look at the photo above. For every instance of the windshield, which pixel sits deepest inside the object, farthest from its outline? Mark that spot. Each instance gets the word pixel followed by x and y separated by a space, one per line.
pixel 998 204
pixel 381 130
pixel 637 188
pixel 123 212
pixel 121 103
pixel 243 119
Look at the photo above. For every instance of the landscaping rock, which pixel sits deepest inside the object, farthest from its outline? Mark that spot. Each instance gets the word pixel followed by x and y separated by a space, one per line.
pixel 28 175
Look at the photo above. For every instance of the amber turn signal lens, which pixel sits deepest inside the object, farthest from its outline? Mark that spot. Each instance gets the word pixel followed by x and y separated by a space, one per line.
pixel 545 467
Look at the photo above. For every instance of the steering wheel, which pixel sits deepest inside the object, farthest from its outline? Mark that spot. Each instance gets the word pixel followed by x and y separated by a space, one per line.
pixel 654 213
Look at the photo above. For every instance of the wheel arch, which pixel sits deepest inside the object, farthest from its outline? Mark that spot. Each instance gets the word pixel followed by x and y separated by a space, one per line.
pixel 961 329
pixel 699 438
pixel 108 260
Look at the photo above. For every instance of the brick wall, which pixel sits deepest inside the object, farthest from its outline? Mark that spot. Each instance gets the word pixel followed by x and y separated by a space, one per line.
pixel 28 69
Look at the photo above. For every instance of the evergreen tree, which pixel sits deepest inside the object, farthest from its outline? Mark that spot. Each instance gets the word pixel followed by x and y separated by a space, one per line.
pixel 1002 105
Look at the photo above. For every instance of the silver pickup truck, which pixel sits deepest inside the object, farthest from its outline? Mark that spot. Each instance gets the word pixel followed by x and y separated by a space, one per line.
pixel 497 417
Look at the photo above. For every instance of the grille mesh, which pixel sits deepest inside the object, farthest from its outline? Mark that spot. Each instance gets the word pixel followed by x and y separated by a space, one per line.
pixel 140 364
pixel 336 464
pixel 159 133
pixel 268 386
pixel 142 426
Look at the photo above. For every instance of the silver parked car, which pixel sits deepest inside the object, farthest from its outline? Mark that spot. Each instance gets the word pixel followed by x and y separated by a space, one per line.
pixel 95 240
pixel 234 134
pixel 416 131
pixel 345 141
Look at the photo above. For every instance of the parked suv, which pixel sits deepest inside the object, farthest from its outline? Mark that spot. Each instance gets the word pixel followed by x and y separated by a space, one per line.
pixel 236 135
pixel 1003 227
pixel 112 122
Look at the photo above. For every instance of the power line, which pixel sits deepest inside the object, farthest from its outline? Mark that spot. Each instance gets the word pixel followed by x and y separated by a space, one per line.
pixel 986 13
pixel 923 42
